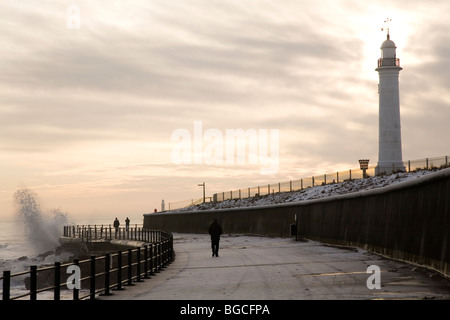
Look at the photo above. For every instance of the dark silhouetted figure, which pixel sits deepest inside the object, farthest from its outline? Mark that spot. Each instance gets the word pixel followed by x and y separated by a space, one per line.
pixel 116 225
pixel 127 223
pixel 215 230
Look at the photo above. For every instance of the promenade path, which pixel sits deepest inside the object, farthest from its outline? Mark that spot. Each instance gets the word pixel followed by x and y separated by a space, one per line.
pixel 262 268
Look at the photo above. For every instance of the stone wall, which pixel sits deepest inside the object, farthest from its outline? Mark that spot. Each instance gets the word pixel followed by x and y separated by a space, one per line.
pixel 409 221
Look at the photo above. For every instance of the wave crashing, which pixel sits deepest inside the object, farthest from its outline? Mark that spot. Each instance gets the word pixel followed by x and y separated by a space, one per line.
pixel 42 229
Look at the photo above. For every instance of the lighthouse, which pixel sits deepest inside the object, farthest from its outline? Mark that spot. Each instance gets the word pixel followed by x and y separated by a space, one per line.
pixel 389 139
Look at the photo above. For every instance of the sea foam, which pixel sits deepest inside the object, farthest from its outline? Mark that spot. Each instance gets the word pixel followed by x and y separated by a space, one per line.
pixel 42 228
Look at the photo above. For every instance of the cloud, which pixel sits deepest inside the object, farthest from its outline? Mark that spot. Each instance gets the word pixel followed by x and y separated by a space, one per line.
pixel 75 101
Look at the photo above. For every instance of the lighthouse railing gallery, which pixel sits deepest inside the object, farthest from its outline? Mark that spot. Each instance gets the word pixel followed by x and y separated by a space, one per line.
pixel 307 182
pixel 388 62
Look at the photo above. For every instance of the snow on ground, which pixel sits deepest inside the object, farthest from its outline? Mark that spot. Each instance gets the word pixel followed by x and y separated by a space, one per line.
pixel 316 192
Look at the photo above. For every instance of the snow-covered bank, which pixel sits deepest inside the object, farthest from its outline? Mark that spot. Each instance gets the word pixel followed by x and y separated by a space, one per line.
pixel 316 192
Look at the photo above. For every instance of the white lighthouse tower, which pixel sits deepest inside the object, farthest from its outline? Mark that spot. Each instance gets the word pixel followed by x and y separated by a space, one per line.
pixel 390 140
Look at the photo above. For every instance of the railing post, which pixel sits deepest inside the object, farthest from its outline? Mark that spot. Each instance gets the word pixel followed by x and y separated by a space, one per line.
pixel 92 284
pixel 6 285
pixel 146 262
pixel 166 251
pixel 57 290
pixel 155 256
pixel 171 248
pixel 138 264
pixel 158 256
pixel 33 282
pixel 163 254
pixel 107 270
pixel 130 265
pixel 152 261
pixel 75 290
pixel 119 270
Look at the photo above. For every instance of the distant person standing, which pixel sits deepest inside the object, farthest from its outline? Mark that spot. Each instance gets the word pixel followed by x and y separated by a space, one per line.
pixel 116 225
pixel 215 230
pixel 127 223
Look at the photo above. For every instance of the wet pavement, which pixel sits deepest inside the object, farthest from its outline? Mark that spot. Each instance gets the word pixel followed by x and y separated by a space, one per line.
pixel 262 268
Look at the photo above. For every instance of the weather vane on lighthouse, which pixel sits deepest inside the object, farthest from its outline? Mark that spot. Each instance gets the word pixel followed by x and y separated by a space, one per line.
pixel 387 26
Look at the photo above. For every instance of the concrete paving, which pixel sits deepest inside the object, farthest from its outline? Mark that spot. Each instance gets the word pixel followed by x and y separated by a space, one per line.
pixel 261 268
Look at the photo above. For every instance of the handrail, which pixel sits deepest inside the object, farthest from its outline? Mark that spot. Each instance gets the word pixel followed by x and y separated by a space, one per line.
pixel 89 233
pixel 312 181
pixel 140 263
pixel 388 62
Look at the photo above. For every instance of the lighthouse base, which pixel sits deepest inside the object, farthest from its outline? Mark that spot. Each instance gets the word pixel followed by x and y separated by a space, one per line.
pixel 389 167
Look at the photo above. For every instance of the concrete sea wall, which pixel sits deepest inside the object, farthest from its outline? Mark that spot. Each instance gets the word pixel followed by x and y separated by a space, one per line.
pixel 409 221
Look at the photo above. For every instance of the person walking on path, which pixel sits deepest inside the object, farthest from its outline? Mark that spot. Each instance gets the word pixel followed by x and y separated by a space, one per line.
pixel 215 230
pixel 127 223
pixel 116 225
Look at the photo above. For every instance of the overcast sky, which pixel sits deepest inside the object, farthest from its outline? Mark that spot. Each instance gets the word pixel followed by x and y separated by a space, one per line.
pixel 88 114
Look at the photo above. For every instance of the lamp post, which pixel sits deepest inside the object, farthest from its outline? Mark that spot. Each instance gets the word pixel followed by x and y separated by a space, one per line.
pixel 203 185
pixel 364 165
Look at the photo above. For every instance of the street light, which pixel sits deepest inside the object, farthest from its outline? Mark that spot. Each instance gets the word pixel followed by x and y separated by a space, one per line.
pixel 203 185
pixel 364 165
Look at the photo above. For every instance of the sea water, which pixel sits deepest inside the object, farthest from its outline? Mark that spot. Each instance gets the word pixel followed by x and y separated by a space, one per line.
pixel 34 231
pixel 31 236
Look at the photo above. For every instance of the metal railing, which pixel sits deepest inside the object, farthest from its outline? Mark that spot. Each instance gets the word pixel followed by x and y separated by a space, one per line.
pixel 388 62
pixel 187 203
pixel 88 233
pixel 317 180
pixel 293 185
pixel 98 275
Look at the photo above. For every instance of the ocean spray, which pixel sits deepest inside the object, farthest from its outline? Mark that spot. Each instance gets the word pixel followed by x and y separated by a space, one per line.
pixel 42 229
